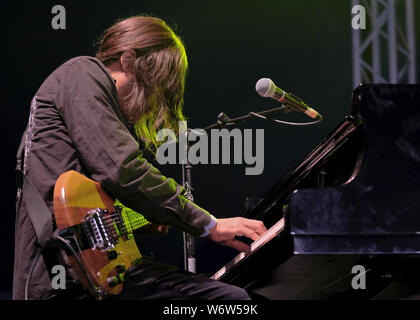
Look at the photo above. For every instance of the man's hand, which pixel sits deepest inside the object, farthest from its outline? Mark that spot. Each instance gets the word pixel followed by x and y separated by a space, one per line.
pixel 226 229
pixel 153 229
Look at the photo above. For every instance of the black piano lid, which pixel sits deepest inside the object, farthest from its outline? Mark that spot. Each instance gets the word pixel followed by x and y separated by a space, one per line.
pixel 334 161
pixel 378 212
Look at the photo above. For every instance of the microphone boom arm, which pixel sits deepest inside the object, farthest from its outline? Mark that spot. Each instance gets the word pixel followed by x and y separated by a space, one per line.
pixel 223 120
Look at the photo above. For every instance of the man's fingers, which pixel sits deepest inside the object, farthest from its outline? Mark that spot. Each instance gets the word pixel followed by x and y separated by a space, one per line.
pixel 226 230
pixel 154 229
pixel 236 244
pixel 249 233
pixel 163 229
pixel 255 225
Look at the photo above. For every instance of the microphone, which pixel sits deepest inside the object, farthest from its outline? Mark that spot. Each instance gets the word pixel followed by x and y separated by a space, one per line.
pixel 266 88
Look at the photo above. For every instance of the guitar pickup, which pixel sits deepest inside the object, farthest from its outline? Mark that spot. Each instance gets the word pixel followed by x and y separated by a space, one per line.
pixel 101 237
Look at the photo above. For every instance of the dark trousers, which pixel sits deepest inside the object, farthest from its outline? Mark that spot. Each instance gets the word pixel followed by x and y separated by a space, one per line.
pixel 152 280
pixel 156 281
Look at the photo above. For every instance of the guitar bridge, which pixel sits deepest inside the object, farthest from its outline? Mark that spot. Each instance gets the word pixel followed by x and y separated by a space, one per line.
pixel 100 230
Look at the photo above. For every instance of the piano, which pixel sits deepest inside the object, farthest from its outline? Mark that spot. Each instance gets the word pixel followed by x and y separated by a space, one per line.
pixel 353 202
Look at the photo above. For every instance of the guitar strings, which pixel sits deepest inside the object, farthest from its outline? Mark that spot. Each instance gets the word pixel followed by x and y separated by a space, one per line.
pixel 112 218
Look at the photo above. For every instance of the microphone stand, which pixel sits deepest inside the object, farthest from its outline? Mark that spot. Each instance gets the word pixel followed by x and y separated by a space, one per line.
pixel 222 121
pixel 189 241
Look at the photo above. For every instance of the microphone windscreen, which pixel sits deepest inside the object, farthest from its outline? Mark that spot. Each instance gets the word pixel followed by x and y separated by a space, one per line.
pixel 265 87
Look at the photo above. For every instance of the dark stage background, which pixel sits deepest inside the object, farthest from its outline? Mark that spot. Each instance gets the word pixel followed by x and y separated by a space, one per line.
pixel 304 46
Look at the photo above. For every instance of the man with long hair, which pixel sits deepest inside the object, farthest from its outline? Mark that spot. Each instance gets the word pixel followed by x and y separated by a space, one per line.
pixel 80 119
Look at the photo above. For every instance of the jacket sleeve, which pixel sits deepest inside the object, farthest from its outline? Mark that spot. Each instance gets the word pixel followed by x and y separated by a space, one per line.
pixel 87 100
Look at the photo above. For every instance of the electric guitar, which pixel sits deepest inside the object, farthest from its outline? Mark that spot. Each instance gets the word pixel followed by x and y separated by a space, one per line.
pixel 99 229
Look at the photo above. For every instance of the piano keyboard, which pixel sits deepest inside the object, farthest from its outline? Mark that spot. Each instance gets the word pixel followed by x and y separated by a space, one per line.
pixel 261 241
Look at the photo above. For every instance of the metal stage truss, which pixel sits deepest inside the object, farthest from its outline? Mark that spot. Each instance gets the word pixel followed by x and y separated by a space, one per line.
pixel 384 52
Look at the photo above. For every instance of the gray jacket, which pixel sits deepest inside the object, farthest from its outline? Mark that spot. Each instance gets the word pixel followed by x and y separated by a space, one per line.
pixel 76 124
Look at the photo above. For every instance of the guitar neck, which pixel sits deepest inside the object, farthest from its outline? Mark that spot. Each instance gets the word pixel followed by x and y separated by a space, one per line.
pixel 132 219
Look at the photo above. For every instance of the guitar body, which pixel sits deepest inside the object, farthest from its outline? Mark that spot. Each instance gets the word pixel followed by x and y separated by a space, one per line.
pixel 86 217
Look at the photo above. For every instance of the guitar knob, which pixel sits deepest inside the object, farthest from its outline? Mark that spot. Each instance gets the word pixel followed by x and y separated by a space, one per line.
pixel 113 281
pixel 121 277
pixel 120 268
pixel 112 254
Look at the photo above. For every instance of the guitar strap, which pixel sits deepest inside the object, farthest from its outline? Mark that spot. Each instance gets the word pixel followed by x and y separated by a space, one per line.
pixel 39 214
pixel 38 211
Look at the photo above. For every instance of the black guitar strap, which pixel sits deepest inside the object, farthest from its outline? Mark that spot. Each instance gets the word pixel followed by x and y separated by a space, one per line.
pixel 38 211
pixel 39 214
